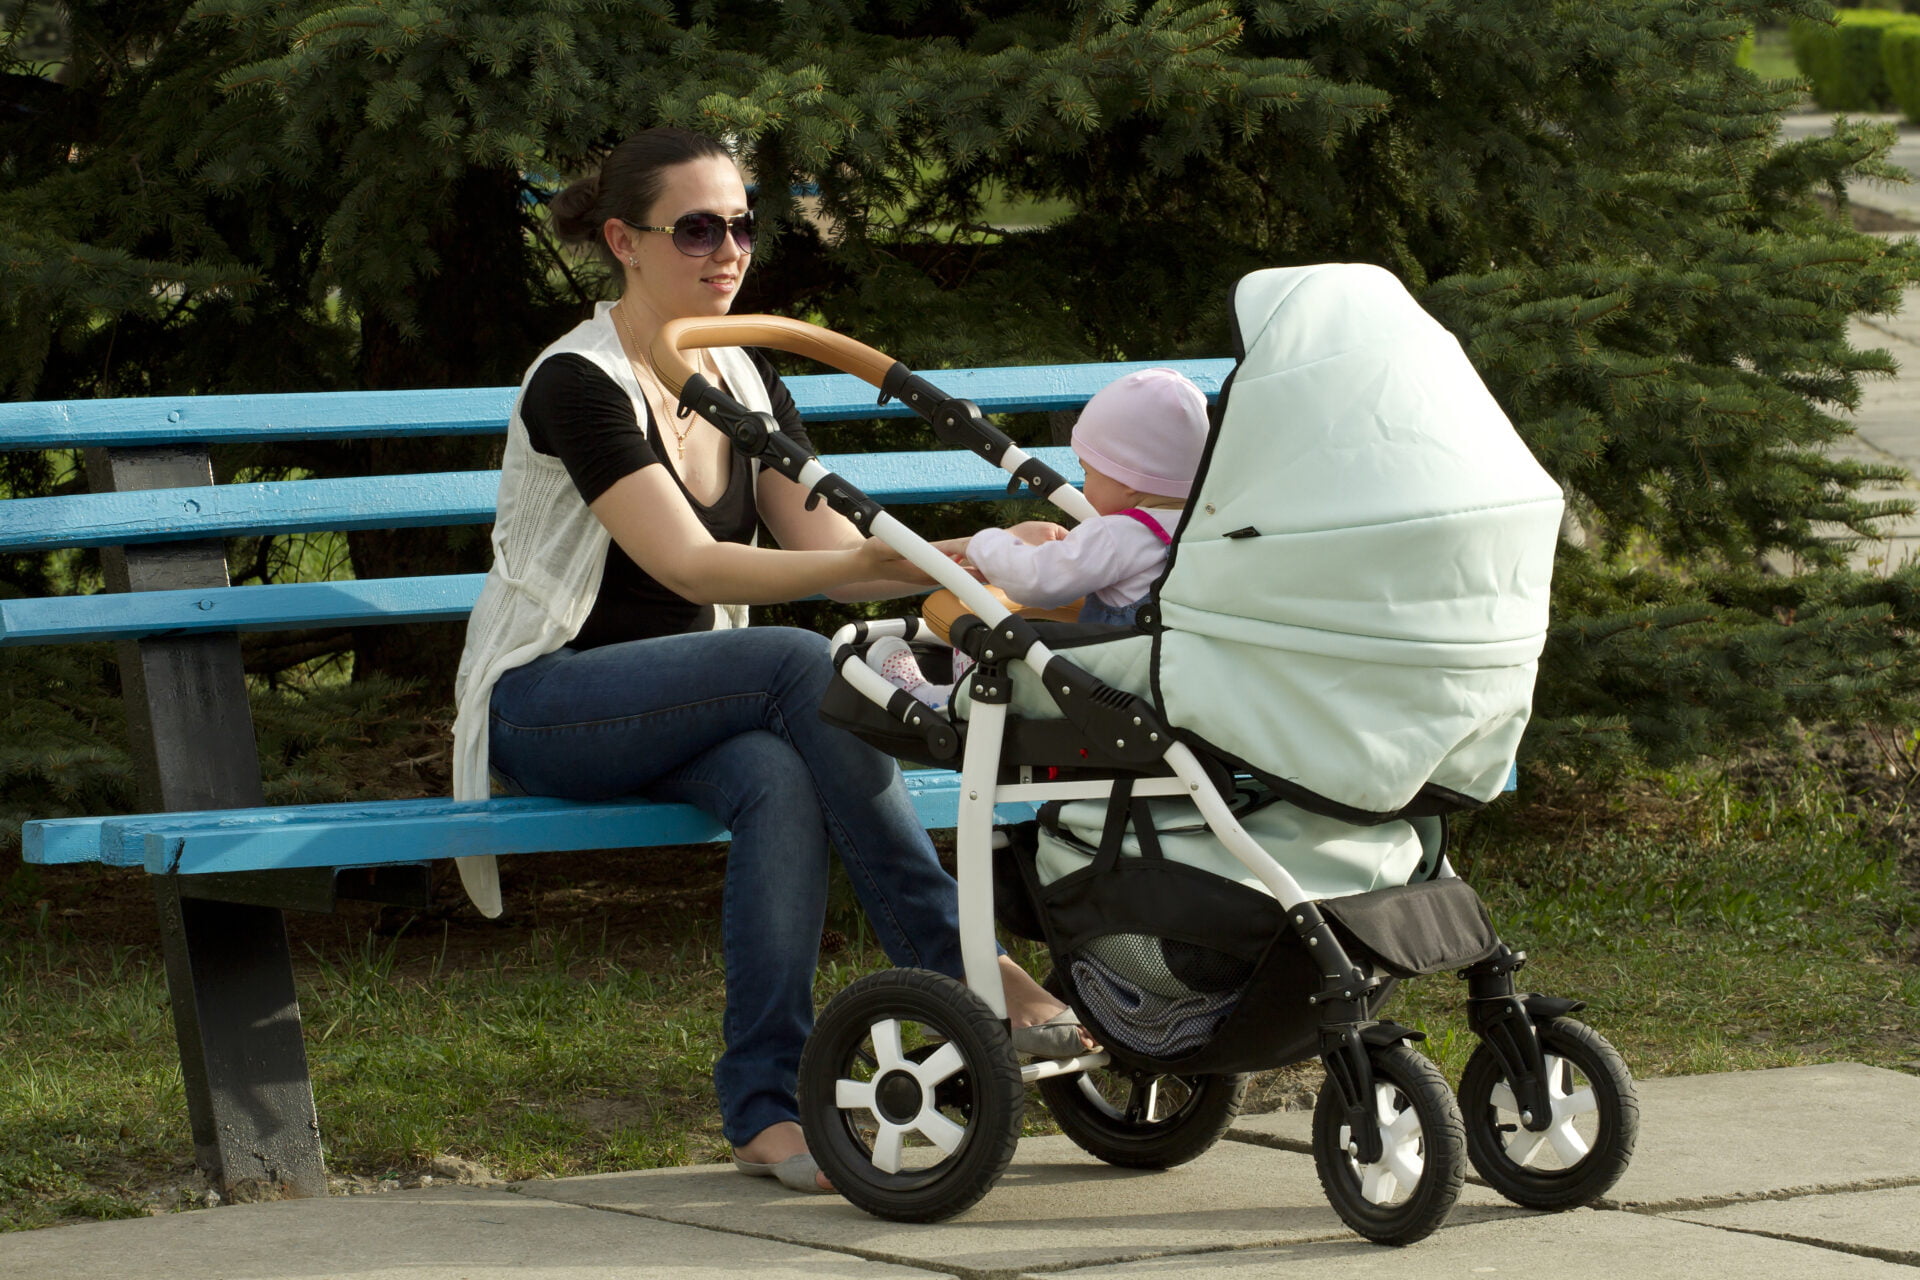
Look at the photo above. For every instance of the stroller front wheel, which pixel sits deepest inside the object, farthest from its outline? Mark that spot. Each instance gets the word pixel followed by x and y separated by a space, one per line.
pixel 1590 1139
pixel 1407 1194
pixel 910 1095
pixel 1139 1120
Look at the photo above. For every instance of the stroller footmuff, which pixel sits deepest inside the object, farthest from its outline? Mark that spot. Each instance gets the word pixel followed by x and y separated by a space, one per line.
pixel 1242 844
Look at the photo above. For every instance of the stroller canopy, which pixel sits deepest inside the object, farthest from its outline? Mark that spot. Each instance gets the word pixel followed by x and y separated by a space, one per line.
pixel 1357 598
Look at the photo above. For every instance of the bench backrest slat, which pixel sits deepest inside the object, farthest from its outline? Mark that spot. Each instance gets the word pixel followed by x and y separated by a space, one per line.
pixel 443 498
pixel 346 415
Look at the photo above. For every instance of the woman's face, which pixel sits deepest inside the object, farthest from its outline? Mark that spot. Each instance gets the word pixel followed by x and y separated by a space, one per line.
pixel 670 283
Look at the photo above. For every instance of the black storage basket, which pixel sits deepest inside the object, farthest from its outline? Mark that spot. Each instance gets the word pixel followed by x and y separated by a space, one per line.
pixel 1238 977
pixel 1247 977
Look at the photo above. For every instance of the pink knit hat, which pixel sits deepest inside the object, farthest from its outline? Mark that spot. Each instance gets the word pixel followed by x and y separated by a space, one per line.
pixel 1145 430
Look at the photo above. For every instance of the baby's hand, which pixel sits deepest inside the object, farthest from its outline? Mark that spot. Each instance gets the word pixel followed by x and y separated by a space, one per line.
pixel 1035 532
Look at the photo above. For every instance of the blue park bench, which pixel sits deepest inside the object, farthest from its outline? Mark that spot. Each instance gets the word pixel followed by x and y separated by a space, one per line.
pixel 224 865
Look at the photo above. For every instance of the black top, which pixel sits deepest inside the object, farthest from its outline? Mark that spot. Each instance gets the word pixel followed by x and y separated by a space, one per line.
pixel 575 412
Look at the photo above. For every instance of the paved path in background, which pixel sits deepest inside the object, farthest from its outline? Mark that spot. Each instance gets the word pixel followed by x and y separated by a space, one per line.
pixel 1888 420
pixel 1798 1174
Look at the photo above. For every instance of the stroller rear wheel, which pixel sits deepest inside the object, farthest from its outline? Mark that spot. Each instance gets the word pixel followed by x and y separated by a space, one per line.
pixel 1407 1194
pixel 1139 1120
pixel 910 1095
pixel 1585 1149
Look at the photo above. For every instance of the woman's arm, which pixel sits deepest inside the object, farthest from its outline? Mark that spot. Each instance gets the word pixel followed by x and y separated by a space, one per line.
pixel 650 519
pixel 783 505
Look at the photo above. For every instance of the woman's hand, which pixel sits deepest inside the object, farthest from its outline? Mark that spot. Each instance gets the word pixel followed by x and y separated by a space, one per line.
pixel 879 562
pixel 1035 532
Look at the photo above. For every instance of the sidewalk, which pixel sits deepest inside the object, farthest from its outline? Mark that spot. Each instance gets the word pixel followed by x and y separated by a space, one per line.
pixel 1806 1172
pixel 1888 420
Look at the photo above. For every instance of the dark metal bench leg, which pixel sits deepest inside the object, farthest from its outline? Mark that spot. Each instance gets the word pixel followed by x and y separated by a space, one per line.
pixel 230 975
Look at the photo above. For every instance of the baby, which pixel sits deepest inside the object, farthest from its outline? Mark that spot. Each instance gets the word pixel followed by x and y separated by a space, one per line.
pixel 1139 441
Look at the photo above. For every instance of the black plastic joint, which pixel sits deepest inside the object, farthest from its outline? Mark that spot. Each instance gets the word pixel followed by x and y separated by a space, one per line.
pixel 748 430
pixel 1503 963
pixel 784 454
pixel 989 681
pixel 960 422
pixel 1036 476
pixel 850 502
pixel 943 743
pixel 1124 724
pixel 968 633
pixel 1009 638
pixel 912 390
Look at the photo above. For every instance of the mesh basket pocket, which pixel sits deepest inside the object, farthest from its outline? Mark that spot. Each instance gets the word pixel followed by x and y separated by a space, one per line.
pixel 1158 953
pixel 1144 1022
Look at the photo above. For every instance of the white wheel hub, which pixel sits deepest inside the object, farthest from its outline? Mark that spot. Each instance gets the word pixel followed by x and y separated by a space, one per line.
pixel 888 1098
pixel 1402 1158
pixel 1524 1146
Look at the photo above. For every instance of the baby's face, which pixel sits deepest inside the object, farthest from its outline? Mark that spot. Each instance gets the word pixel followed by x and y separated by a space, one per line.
pixel 1105 493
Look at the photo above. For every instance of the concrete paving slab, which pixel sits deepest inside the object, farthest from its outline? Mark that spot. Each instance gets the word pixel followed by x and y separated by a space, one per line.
pixel 1878 1224
pixel 1718 1139
pixel 1583 1245
pixel 459 1233
pixel 1055 1207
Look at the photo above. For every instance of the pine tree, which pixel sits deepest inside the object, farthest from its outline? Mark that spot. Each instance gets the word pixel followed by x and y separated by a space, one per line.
pixel 296 194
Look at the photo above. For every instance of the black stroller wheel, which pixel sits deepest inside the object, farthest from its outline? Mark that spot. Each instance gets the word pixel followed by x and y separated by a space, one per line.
pixel 1596 1119
pixel 1407 1194
pixel 910 1095
pixel 1139 1120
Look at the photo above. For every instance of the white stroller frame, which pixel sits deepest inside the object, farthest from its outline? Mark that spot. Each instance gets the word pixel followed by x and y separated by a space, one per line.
pixel 1525 1046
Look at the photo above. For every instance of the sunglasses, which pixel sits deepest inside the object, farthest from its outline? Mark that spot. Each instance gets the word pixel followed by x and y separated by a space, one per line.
pixel 699 234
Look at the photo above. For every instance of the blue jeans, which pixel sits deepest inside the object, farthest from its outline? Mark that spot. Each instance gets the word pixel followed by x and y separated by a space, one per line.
pixel 728 721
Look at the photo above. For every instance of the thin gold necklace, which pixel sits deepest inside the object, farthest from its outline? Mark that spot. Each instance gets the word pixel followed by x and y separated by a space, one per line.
pixel 679 436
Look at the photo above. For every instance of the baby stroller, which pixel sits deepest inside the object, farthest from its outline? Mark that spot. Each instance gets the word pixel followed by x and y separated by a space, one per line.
pixel 1241 844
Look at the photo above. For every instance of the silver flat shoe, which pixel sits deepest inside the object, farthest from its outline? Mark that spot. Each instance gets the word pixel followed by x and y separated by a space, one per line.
pixel 795 1173
pixel 1057 1037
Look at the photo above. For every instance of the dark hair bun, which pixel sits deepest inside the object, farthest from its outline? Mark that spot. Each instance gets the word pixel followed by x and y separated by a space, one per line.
pixel 572 211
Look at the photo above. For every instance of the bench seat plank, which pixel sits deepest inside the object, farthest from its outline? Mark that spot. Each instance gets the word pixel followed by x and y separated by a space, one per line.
pixel 280 606
pixel 346 415
pixel 149 516
pixel 383 832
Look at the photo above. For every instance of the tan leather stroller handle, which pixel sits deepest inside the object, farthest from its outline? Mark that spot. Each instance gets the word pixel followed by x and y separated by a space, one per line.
pixel 676 337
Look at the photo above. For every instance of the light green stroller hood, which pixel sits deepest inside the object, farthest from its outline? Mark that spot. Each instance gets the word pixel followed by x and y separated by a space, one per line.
pixel 1357 598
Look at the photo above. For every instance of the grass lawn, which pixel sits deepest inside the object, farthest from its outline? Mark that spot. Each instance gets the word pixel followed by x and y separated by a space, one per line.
pixel 1716 919
pixel 1771 57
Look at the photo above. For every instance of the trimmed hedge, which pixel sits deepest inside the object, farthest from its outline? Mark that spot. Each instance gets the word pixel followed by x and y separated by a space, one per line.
pixel 1843 60
pixel 1900 60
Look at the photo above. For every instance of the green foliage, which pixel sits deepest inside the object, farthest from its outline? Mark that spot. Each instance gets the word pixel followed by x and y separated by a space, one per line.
pixel 267 194
pixel 1843 58
pixel 1900 61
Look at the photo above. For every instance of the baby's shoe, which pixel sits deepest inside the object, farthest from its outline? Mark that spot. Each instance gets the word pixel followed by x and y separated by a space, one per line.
pixel 893 658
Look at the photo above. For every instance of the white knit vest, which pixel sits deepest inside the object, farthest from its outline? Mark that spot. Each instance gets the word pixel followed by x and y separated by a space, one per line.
pixel 548 554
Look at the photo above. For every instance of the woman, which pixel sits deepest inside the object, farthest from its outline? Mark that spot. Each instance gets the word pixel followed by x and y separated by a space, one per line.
pixel 603 658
